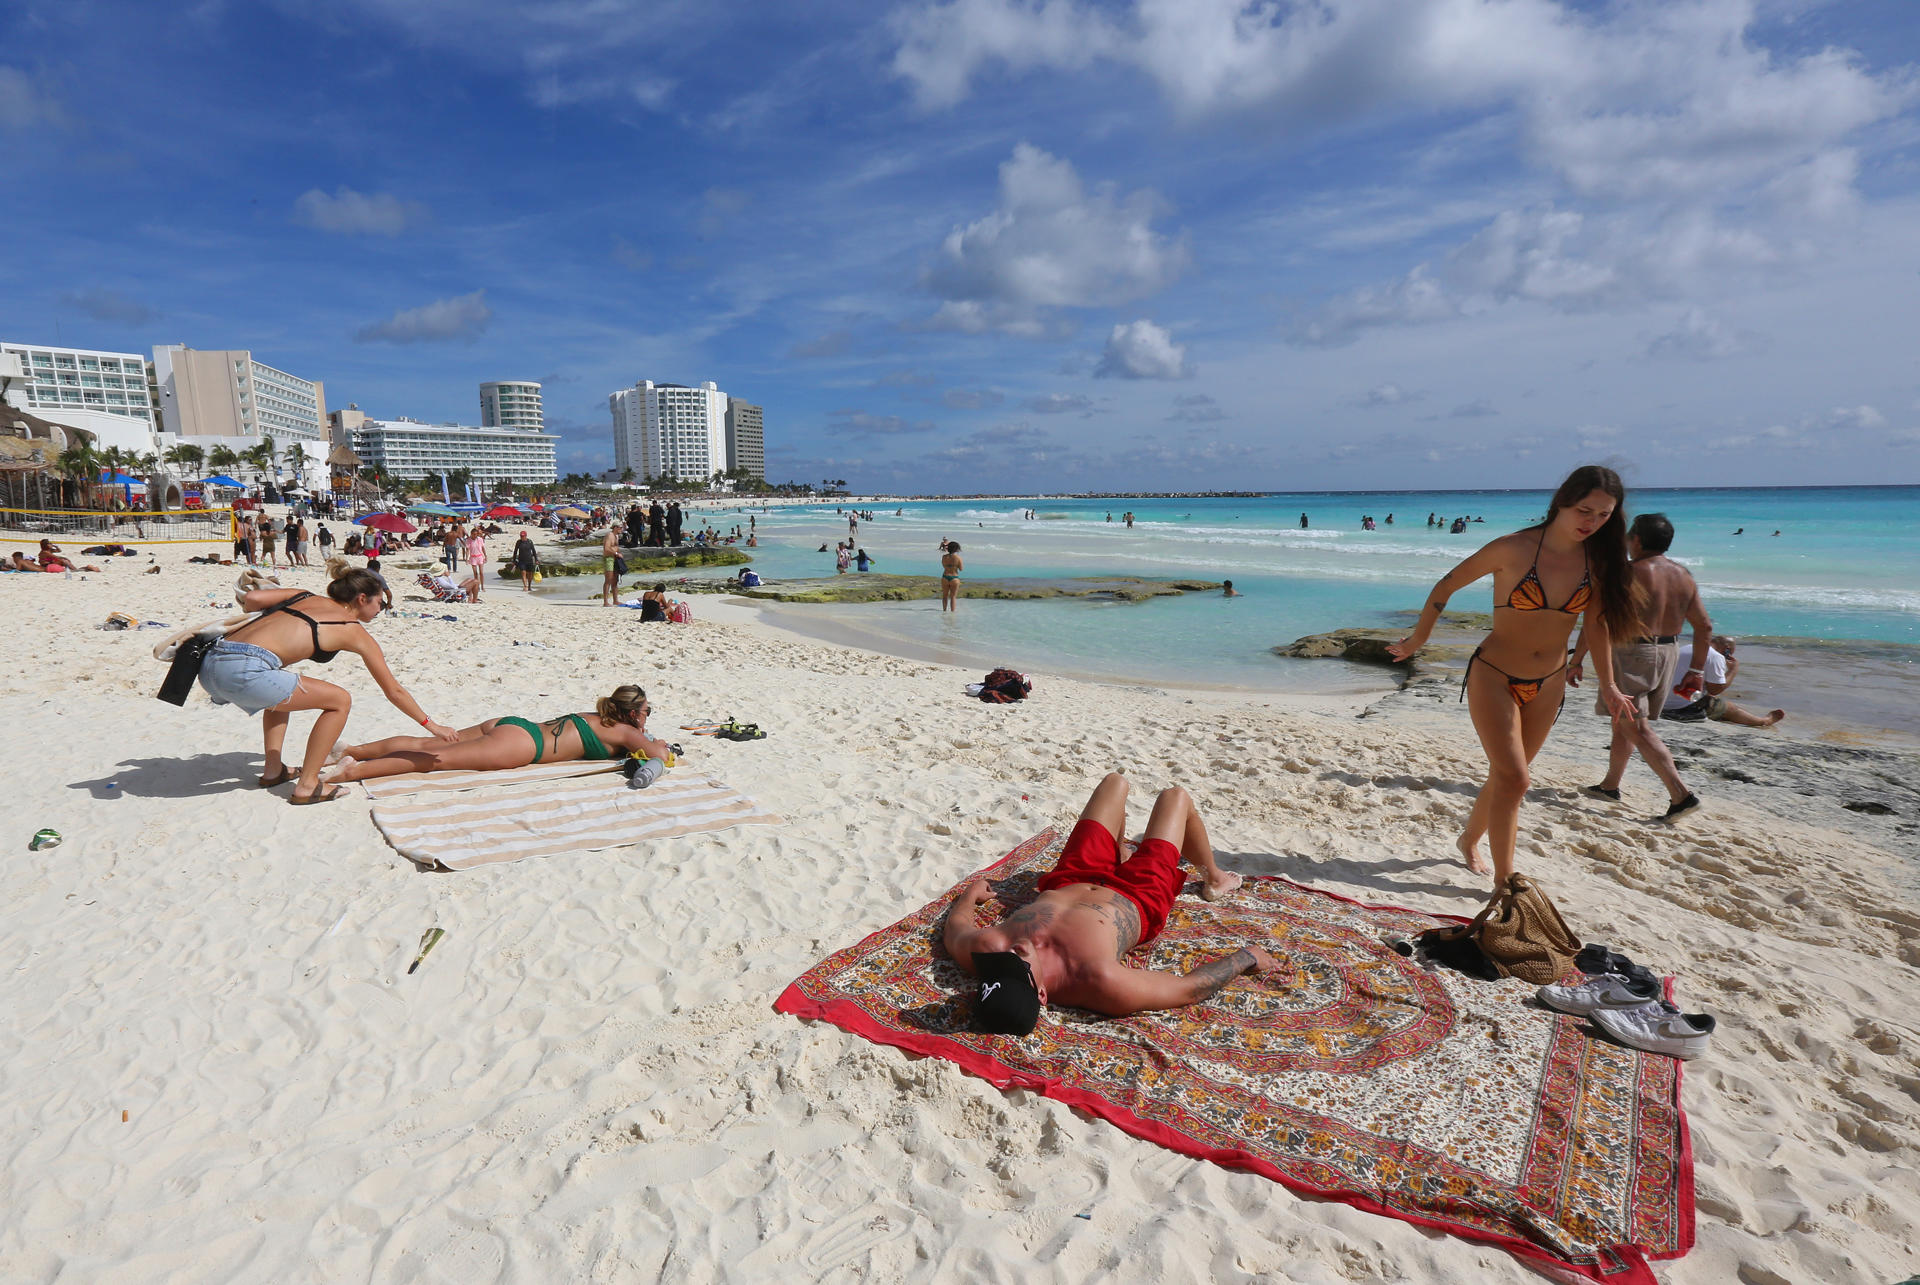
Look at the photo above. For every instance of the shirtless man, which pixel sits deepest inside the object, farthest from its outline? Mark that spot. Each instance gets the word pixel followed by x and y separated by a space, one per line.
pixel 609 550
pixel 1070 943
pixel 1644 667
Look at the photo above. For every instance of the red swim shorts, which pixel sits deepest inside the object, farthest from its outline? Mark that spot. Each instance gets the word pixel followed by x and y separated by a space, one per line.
pixel 1151 878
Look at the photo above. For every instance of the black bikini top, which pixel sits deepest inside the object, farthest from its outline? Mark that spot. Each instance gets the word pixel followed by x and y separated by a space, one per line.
pixel 320 655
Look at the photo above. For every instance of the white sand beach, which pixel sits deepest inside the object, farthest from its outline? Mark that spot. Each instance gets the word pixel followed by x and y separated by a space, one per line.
pixel 215 1067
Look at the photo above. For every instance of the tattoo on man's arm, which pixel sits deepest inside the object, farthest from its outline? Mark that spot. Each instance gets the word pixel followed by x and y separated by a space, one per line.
pixel 1209 978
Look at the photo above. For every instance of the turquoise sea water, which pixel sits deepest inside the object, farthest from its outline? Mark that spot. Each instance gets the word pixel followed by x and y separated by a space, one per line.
pixel 1846 565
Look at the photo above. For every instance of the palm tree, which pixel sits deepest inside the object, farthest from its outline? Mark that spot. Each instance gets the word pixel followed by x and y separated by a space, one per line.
pixel 222 458
pixel 80 463
pixel 187 457
pixel 259 457
pixel 458 479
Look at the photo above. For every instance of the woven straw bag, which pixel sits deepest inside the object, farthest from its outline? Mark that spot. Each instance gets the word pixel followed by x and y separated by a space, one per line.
pixel 1522 934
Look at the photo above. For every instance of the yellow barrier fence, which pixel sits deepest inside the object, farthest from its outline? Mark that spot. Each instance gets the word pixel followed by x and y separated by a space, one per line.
pixel 126 526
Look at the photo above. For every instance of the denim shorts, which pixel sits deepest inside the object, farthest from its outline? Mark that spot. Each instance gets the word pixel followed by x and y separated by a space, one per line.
pixel 237 673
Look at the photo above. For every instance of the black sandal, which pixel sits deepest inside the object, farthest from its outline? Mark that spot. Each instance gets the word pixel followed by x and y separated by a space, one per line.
pixel 286 774
pixel 325 793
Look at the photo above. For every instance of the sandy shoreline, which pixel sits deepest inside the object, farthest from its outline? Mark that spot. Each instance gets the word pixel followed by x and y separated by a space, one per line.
pixel 586 1080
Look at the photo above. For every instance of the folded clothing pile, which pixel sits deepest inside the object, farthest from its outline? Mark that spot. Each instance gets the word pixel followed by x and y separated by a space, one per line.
pixel 1627 1001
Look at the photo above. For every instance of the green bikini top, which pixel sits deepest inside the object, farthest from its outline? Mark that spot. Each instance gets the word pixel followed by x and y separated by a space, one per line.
pixel 590 745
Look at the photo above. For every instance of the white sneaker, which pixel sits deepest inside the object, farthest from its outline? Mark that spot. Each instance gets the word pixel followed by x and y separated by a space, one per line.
pixel 1607 991
pixel 1658 1028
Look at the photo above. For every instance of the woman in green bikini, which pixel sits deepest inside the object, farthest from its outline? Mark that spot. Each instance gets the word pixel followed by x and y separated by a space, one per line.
pixel 512 742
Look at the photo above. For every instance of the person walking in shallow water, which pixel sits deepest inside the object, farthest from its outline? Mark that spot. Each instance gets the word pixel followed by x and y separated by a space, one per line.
pixel 1545 579
pixel 950 568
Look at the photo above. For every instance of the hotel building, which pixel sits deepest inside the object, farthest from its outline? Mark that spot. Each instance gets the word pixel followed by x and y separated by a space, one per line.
pixel 108 394
pixel 669 430
pixel 229 394
pixel 409 449
pixel 511 405
pixel 746 439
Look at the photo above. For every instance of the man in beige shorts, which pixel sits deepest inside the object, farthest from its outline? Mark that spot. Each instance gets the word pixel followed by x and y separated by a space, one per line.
pixel 1644 668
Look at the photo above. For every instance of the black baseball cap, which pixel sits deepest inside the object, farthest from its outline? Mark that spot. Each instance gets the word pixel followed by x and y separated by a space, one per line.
pixel 1009 1001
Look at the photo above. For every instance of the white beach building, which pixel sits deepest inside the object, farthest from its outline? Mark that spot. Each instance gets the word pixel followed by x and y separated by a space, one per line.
pixel 506 404
pixel 108 394
pixel 408 448
pixel 670 430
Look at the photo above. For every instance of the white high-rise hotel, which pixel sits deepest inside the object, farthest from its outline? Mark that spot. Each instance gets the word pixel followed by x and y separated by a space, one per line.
pixel 669 430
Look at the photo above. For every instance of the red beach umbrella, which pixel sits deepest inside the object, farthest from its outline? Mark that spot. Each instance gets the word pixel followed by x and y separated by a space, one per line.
pixel 392 522
pixel 502 511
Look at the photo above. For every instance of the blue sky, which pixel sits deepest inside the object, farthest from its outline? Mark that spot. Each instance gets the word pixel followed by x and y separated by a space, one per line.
pixel 997 244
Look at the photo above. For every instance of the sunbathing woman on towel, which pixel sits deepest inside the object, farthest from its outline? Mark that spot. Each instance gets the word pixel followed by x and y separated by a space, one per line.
pixel 515 742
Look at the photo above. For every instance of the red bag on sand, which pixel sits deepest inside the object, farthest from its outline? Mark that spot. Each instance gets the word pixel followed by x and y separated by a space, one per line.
pixel 680 613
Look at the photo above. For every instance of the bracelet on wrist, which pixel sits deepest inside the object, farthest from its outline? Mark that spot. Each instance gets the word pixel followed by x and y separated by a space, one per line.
pixel 425 721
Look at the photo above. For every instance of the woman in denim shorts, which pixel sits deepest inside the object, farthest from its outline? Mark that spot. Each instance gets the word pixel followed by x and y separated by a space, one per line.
pixel 248 668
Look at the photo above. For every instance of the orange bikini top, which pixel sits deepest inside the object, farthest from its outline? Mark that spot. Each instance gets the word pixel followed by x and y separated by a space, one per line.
pixel 1531 595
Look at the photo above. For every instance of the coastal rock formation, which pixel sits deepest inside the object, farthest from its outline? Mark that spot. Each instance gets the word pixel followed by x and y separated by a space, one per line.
pixel 874 587
pixel 1369 647
pixel 639 562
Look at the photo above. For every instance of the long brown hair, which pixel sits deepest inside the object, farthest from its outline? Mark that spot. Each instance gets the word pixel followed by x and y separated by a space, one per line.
pixel 346 582
pixel 1606 548
pixel 621 707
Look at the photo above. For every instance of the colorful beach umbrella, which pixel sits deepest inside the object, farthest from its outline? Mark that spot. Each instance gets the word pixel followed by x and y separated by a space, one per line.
pixel 391 522
pixel 433 510
pixel 503 511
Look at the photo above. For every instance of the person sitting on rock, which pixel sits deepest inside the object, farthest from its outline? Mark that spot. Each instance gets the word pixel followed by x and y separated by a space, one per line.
pixel 1069 944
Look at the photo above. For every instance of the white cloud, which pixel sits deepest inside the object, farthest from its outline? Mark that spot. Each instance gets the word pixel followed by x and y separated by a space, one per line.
pixel 1625 101
pixel 1142 350
pixel 971 398
pixel 1855 417
pixel 1197 408
pixel 1059 404
pixel 1051 243
pixel 1700 337
pixel 460 317
pixel 831 344
pixel 1560 259
pixel 718 207
pixel 860 423
pixel 23 105
pixel 1389 394
pixel 357 213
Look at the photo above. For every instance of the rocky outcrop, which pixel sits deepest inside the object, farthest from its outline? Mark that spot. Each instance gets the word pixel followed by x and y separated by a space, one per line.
pixel 1369 647
pixel 873 587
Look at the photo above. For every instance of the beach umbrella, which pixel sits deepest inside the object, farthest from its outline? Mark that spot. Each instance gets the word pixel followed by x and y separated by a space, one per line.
pixel 392 522
pixel 502 511
pixel 221 479
pixel 570 513
pixel 433 510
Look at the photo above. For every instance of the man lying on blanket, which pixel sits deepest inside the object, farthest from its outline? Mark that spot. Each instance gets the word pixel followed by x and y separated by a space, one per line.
pixel 1068 943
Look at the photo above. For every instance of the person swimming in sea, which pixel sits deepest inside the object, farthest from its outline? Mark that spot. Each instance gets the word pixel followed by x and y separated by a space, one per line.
pixel 617 727
pixel 1545 578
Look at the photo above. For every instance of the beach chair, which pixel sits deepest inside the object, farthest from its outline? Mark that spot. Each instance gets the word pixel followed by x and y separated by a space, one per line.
pixel 441 593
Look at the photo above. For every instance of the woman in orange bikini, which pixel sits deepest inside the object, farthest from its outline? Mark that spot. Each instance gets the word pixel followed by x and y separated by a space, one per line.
pixel 1545 579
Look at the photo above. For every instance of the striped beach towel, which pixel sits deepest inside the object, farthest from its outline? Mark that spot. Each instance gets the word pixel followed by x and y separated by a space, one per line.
pixel 464 819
